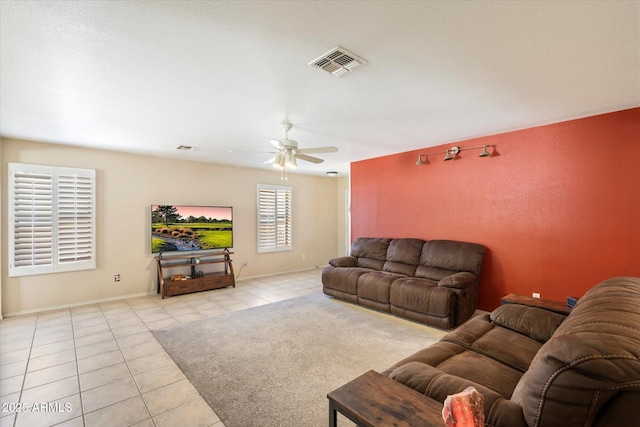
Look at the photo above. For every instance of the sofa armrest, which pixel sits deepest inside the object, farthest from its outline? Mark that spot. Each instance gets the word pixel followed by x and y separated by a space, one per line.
pixel 437 385
pixel 460 280
pixel 345 261
pixel 501 412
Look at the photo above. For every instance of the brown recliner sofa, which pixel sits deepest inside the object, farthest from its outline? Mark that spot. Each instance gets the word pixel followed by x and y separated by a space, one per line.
pixel 537 368
pixel 433 282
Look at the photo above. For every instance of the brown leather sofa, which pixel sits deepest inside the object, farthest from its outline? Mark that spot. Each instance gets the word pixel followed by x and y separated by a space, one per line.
pixel 434 282
pixel 538 368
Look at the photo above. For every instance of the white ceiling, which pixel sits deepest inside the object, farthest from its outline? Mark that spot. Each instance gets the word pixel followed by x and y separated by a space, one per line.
pixel 145 76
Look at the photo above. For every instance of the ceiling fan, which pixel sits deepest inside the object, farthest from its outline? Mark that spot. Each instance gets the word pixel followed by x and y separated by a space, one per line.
pixel 288 152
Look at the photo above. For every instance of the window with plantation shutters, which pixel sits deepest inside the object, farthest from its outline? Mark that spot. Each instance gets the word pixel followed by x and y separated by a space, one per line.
pixel 274 218
pixel 51 219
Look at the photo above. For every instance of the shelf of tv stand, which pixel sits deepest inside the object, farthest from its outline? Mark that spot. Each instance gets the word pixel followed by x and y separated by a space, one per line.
pixel 213 280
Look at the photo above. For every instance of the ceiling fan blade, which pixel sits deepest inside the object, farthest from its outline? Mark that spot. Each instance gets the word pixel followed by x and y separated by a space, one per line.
pixel 276 143
pixel 318 150
pixel 254 152
pixel 271 160
pixel 309 158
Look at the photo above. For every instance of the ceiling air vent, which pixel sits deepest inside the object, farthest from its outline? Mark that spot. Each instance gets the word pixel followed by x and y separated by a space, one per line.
pixel 338 61
pixel 185 147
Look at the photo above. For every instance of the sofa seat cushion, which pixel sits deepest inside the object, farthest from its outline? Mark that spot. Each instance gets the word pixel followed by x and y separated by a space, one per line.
pixel 463 363
pixel 488 338
pixel 517 354
pixel 481 352
pixel 421 296
pixel 376 285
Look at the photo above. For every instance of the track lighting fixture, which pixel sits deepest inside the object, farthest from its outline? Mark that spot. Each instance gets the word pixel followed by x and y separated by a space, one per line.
pixel 452 152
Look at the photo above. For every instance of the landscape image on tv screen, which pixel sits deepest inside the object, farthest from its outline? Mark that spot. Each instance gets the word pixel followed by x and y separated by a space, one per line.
pixel 191 228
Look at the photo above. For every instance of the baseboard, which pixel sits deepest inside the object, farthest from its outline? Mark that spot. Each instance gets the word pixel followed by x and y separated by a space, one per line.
pixel 238 279
pixel 77 304
pixel 142 294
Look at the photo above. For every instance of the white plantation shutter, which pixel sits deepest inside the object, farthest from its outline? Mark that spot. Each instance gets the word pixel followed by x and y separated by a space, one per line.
pixel 51 219
pixel 32 223
pixel 75 218
pixel 274 218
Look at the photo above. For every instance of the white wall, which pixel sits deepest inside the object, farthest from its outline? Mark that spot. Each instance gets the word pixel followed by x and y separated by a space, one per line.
pixel 2 181
pixel 127 186
pixel 343 227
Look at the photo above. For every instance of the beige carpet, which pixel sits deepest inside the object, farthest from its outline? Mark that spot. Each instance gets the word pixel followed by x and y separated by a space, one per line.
pixel 273 365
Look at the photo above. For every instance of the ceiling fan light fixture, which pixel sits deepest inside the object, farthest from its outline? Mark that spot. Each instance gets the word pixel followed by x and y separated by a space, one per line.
pixel 287 152
pixel 290 160
pixel 282 162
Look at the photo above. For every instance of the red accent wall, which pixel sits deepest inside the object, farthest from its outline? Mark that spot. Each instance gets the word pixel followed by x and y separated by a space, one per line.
pixel 557 206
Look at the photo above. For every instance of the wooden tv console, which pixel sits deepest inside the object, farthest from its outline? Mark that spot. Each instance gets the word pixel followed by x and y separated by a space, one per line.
pixel 178 284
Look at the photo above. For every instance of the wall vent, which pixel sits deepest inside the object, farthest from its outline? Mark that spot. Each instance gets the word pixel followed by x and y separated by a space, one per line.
pixel 185 147
pixel 338 61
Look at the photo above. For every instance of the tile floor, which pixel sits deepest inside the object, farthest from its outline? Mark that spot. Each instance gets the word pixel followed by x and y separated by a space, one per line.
pixel 99 364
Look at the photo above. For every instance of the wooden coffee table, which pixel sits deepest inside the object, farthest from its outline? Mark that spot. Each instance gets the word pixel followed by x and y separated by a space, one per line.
pixel 373 400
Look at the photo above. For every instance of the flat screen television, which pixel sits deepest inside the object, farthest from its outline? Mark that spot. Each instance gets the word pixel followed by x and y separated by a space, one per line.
pixel 191 228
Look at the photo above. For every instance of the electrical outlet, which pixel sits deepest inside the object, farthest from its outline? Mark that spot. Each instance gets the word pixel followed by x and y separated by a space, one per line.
pixel 536 295
pixel 245 263
pixel 116 278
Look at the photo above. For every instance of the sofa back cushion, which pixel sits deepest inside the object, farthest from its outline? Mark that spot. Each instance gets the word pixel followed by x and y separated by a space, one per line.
pixel 403 256
pixel 533 322
pixel 371 252
pixel 441 258
pixel 588 372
